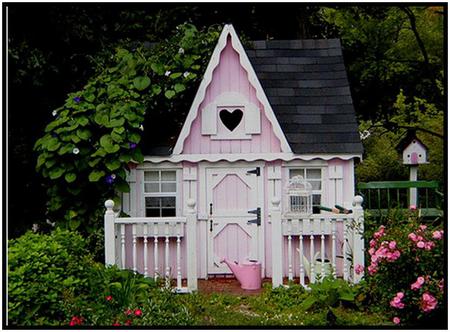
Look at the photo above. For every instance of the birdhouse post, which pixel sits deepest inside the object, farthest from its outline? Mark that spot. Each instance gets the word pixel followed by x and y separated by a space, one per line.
pixel 414 154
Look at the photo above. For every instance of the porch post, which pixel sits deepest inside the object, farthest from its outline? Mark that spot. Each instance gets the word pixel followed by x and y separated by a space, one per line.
pixel 191 245
pixel 110 236
pixel 277 244
pixel 358 239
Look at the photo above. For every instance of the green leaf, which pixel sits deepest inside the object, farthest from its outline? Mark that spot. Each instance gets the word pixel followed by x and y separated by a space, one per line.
pixel 41 160
pixel 169 94
pixel 74 224
pixel 56 173
pixel 94 162
pixel 125 158
pixel 113 165
pixel 122 186
pixel 70 177
pixel 101 119
pixel 83 121
pixel 89 97
pixel 94 176
pixel 84 134
pixel 179 87
pixel 106 142
pixel 115 123
pixel 134 137
pixel 308 302
pixel 141 82
pixel 137 156
pixel 175 75
pixel 156 89
pixel 157 68
pixel 53 144
pixel 119 130
pixel 66 149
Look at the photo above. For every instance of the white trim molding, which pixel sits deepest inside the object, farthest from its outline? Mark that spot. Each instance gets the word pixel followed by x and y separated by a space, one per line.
pixel 207 78
pixel 232 157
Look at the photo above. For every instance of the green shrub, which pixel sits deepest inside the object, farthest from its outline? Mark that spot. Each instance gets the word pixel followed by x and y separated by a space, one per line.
pixel 42 270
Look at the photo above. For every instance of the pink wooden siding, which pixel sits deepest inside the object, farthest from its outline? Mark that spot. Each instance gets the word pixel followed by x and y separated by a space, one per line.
pixel 229 76
pixel 231 194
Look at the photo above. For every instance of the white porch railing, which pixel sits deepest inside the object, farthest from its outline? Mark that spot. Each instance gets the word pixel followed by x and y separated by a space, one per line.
pixel 329 234
pixel 155 233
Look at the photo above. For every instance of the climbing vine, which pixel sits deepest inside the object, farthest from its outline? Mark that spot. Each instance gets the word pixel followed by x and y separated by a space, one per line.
pixel 95 136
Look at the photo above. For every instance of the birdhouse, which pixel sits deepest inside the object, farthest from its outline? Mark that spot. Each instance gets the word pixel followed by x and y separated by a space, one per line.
pixel 414 151
pixel 299 197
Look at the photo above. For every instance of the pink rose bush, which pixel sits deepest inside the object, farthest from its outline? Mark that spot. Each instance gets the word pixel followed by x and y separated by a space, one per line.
pixel 405 271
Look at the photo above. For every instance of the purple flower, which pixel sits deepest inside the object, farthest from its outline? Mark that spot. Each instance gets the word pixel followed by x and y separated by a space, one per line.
pixel 110 179
pixel 77 99
pixel 133 146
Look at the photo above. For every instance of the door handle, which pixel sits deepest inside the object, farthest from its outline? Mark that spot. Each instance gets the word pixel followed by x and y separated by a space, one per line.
pixel 210 225
pixel 210 217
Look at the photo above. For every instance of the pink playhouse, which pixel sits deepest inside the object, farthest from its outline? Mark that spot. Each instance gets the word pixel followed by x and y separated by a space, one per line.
pixel 271 138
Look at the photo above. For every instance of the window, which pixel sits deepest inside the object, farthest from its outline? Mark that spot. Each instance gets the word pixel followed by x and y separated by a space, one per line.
pixel 160 193
pixel 314 177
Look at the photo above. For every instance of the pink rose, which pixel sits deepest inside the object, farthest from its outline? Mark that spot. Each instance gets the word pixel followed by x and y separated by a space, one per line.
pixel 400 295
pixel 392 245
pixel 421 244
pixel 371 251
pixel 437 235
pixel 429 245
pixel 412 237
pixel 372 243
pixel 359 269
pixel 428 303
pixel 422 227
pixel 418 283
pixel 396 320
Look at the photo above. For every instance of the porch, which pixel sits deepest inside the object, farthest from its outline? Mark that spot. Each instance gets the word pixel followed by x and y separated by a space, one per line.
pixel 303 250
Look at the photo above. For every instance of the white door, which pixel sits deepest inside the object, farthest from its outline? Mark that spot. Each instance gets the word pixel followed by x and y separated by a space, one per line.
pixel 230 194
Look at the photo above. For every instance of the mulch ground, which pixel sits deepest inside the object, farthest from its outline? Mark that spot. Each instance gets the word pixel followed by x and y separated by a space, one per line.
pixel 227 285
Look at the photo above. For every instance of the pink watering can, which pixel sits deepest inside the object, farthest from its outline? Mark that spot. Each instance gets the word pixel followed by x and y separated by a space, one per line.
pixel 247 273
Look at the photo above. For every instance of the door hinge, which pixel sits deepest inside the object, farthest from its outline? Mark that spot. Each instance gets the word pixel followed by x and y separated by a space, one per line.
pixel 256 221
pixel 256 171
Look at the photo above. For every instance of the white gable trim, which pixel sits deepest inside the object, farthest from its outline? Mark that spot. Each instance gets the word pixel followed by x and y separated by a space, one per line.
pixel 207 78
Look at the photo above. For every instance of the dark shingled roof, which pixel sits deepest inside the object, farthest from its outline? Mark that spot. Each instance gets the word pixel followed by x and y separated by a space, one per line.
pixel 307 87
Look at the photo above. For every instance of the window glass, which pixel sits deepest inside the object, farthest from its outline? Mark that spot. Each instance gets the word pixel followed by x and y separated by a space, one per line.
pixel 314 177
pixel 160 190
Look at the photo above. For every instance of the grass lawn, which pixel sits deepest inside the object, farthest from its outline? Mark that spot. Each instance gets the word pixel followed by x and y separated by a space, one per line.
pixel 282 307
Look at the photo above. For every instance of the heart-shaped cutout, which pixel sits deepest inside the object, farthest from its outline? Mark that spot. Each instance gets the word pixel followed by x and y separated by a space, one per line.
pixel 231 119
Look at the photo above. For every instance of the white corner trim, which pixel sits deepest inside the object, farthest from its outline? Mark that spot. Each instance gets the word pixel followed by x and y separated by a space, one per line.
pixel 207 78
pixel 233 157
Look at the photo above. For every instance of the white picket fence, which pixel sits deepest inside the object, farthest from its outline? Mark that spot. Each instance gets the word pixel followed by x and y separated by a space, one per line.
pixel 155 232
pixel 325 229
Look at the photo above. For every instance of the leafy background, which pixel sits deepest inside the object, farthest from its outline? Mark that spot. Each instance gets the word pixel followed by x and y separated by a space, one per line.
pixel 55 49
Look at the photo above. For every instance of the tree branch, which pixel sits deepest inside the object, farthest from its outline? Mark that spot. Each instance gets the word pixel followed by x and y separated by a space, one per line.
pixel 412 22
pixel 397 126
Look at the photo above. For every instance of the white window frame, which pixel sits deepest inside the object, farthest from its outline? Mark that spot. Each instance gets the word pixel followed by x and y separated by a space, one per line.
pixel 322 169
pixel 176 194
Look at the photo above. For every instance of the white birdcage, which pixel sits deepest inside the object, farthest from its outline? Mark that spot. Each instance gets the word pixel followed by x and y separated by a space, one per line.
pixel 299 197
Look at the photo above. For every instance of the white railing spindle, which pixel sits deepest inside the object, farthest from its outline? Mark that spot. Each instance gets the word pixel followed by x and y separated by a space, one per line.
pixel 344 249
pixel 312 263
pixel 166 260
pixel 290 274
pixel 155 250
pixel 133 230
pixel 333 246
pixel 178 256
pixel 145 250
pixel 300 240
pixel 122 244
pixel 322 248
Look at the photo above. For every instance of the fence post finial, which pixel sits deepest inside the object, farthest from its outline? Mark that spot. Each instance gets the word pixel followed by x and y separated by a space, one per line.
pixel 191 245
pixel 110 233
